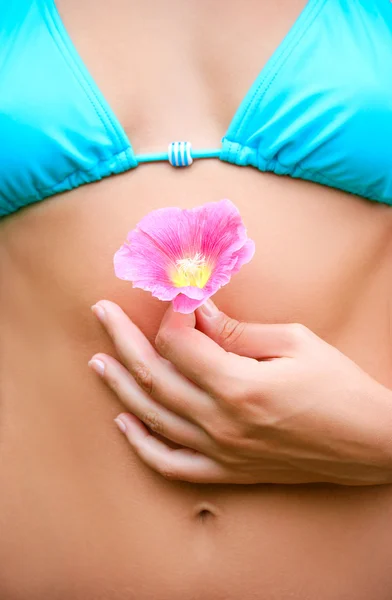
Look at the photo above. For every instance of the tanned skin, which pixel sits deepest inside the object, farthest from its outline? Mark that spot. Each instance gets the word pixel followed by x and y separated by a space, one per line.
pixel 81 517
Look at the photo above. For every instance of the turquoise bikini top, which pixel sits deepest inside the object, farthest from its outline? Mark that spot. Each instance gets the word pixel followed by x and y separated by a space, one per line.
pixel 320 110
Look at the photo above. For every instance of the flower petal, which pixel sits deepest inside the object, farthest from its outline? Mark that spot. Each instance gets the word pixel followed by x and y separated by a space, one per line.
pixel 244 255
pixel 164 238
pixel 144 270
pixel 186 305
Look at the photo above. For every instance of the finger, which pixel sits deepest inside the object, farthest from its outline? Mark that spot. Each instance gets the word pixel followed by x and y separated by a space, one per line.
pixel 197 356
pixel 254 340
pixel 155 416
pixel 174 464
pixel 114 320
pixel 152 373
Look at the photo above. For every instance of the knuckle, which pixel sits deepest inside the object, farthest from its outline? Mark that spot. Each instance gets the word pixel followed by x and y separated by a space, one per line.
pixel 234 392
pixel 153 422
pixel 298 332
pixel 231 396
pixel 113 382
pixel 223 433
pixel 167 472
pixel 230 332
pixel 232 441
pixel 163 341
pixel 226 437
pixel 143 376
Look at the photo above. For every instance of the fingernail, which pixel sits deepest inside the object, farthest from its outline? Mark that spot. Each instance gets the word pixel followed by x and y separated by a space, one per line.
pixel 99 312
pixel 97 365
pixel 209 308
pixel 120 424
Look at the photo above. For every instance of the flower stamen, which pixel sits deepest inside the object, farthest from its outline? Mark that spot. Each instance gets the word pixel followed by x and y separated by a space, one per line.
pixel 192 271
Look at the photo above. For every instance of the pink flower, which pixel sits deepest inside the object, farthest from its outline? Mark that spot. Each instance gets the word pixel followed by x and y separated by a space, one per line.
pixel 185 256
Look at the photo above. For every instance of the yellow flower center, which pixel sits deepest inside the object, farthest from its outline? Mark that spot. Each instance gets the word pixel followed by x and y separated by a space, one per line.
pixel 191 272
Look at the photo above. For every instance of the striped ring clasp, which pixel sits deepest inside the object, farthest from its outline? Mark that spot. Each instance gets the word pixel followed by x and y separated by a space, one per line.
pixel 180 154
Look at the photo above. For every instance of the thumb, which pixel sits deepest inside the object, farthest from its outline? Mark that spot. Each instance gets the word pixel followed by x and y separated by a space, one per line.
pixel 176 320
pixel 253 340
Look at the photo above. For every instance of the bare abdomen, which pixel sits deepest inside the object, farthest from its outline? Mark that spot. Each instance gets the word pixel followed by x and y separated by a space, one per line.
pixel 80 517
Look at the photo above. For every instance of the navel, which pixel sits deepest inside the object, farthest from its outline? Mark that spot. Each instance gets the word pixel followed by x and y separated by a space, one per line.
pixel 205 512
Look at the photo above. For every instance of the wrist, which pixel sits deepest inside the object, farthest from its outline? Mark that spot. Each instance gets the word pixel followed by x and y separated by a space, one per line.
pixel 378 415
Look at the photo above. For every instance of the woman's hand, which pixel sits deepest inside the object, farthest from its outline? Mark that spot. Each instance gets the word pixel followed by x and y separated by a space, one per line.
pixel 245 403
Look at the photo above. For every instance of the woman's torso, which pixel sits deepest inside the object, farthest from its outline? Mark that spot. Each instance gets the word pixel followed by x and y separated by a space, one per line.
pixel 80 516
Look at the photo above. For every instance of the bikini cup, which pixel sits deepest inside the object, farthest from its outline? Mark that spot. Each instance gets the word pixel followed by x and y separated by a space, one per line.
pixel 320 109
